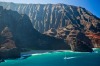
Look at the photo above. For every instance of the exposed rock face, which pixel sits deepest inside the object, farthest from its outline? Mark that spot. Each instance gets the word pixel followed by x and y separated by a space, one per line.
pixel 47 16
pixel 79 42
pixel 59 33
pixel 51 32
pixel 95 38
pixel 83 43
pixel 9 53
pixel 24 35
pixel 8 48
pixel 20 27
pixel 17 33
pixel 57 20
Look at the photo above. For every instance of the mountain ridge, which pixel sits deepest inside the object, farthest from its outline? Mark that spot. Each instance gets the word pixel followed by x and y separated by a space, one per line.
pixel 46 16
pixel 61 17
pixel 63 27
pixel 17 34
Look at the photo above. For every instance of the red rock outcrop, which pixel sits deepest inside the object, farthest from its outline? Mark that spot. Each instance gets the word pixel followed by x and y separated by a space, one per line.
pixel 95 38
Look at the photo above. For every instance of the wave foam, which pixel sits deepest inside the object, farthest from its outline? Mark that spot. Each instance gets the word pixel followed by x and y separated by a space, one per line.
pixel 69 57
pixel 40 53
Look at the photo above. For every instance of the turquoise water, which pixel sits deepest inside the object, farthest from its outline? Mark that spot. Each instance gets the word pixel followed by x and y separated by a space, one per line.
pixel 57 59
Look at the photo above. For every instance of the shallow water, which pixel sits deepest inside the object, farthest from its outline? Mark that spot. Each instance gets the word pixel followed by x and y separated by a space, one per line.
pixel 56 58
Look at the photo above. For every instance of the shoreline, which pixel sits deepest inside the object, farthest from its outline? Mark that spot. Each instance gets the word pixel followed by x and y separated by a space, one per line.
pixel 39 52
pixel 45 51
pixel 27 54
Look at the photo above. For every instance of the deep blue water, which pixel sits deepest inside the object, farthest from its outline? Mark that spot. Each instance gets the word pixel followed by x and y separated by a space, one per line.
pixel 57 59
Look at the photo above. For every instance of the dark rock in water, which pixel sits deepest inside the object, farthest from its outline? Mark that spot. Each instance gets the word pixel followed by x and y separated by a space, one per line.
pixel 2 60
pixel 25 56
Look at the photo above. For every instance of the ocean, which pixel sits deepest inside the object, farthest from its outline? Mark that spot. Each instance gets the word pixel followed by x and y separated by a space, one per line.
pixel 57 58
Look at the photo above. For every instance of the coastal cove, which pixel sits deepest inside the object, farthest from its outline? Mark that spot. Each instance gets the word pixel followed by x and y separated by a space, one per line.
pixel 60 27
pixel 52 34
pixel 56 58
